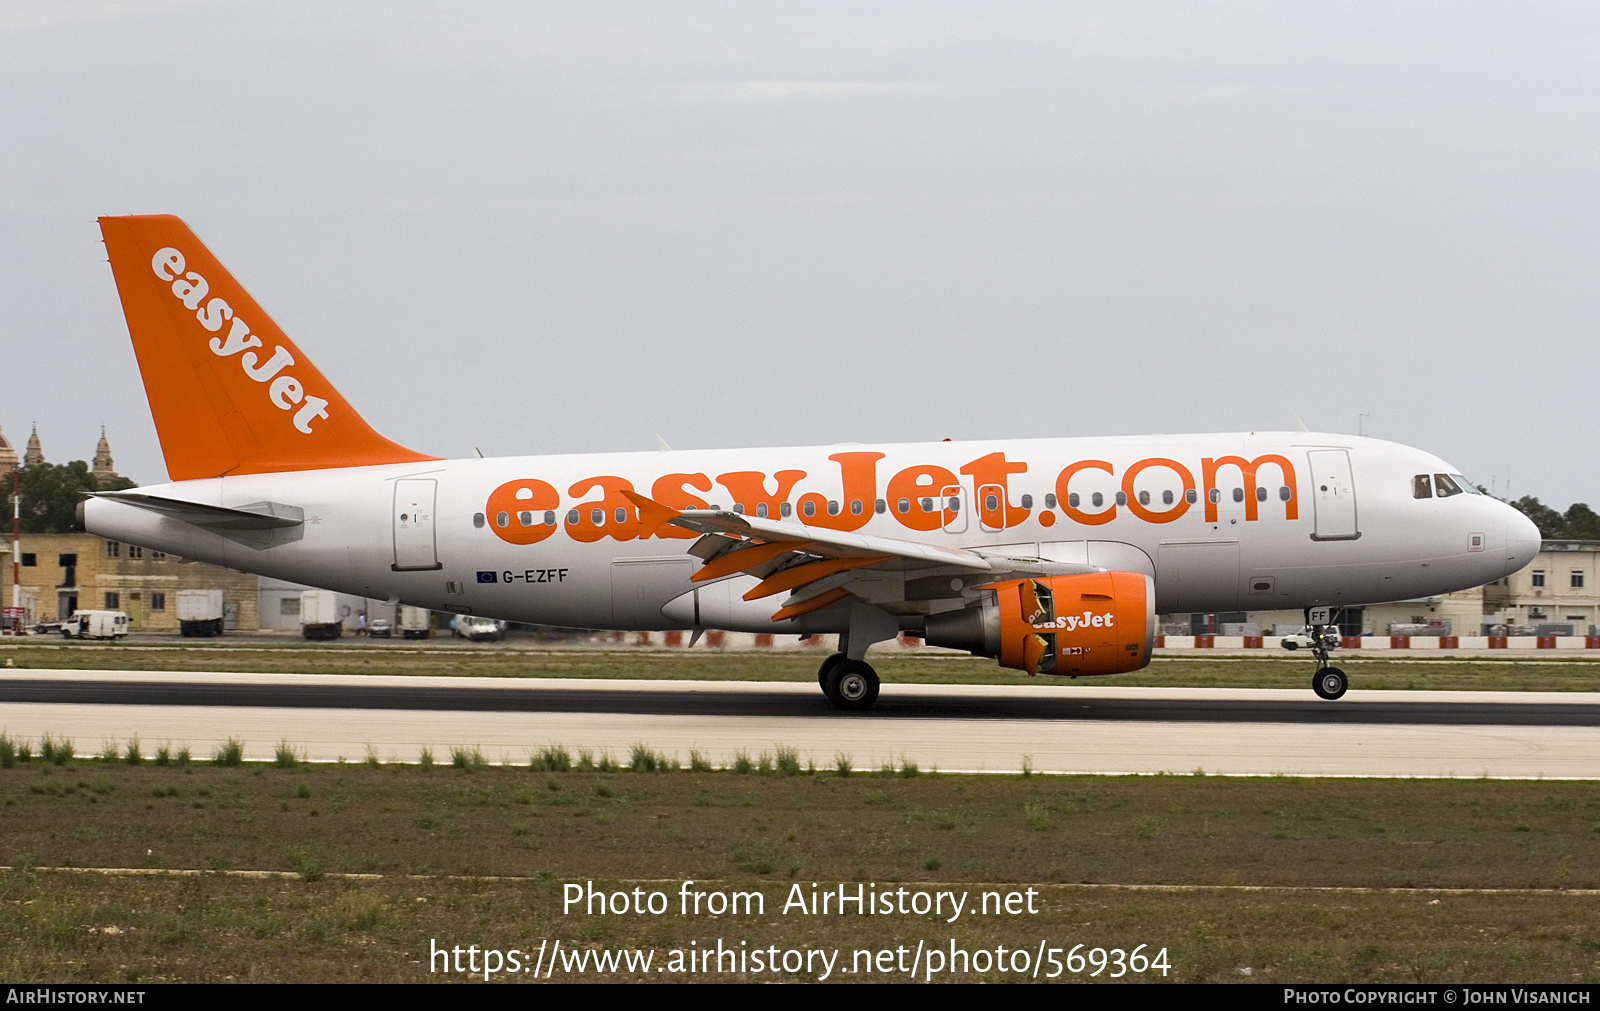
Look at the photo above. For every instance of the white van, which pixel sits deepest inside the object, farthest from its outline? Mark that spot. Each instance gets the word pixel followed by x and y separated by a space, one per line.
pixel 478 629
pixel 95 625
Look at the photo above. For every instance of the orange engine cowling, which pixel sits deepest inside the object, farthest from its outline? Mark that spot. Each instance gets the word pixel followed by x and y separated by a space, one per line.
pixel 1093 623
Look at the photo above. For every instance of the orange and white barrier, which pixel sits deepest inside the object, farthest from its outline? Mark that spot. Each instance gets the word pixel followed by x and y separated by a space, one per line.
pixel 1380 642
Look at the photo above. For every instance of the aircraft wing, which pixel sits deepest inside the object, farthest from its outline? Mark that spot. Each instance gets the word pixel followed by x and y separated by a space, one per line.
pixel 819 566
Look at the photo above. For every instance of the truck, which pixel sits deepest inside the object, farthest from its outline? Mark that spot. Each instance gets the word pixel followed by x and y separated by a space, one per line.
pixel 415 622
pixel 319 615
pixel 95 625
pixel 199 613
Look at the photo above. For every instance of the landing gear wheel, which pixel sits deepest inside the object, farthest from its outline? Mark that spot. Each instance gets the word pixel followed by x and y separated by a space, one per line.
pixel 852 685
pixel 827 667
pixel 1329 683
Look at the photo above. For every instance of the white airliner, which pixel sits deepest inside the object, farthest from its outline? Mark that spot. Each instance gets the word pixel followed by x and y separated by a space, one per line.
pixel 1051 555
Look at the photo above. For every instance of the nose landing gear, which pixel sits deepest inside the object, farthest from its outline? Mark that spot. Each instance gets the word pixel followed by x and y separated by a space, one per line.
pixel 1328 682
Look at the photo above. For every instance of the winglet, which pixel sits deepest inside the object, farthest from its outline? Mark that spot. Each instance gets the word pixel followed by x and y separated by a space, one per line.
pixel 652 514
pixel 230 393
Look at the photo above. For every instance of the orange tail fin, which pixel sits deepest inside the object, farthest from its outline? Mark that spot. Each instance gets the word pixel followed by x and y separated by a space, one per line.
pixel 231 394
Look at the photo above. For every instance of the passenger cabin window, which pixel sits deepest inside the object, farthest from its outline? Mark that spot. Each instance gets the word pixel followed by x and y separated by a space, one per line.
pixel 1144 498
pixel 809 508
pixel 503 519
pixel 1421 486
pixel 1261 494
pixel 1166 497
pixel 1027 501
pixel 1190 495
pixel 903 506
pixel 550 518
pixel 1238 494
pixel 927 505
pixel 525 518
pixel 761 510
pixel 1073 500
pixel 1444 487
pixel 477 520
pixel 880 507
pixel 1050 501
pixel 1097 499
pixel 855 507
pixel 1122 498
pixel 784 509
pixel 833 508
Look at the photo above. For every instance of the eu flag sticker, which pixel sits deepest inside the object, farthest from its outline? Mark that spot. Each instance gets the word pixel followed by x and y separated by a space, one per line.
pixel 488 577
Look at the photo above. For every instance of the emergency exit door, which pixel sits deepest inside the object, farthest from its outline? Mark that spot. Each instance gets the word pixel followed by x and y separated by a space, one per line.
pixel 415 547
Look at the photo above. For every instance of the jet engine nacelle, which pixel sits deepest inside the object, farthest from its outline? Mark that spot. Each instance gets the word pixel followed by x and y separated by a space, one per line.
pixel 1093 623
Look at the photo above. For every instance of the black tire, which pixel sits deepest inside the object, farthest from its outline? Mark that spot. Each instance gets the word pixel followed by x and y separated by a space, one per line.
pixel 827 666
pixel 852 685
pixel 1329 683
pixel 1290 644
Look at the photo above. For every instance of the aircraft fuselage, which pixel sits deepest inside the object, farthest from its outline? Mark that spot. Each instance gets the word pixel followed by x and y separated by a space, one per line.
pixel 1222 522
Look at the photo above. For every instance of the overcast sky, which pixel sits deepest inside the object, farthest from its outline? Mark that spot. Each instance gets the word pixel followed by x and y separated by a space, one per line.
pixel 568 227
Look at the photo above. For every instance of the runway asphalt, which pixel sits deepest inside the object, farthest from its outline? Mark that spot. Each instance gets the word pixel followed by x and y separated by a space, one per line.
pixel 1058 726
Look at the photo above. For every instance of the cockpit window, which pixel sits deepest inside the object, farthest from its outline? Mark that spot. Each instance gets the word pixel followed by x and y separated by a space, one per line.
pixel 1445 486
pixel 1465 485
pixel 1421 486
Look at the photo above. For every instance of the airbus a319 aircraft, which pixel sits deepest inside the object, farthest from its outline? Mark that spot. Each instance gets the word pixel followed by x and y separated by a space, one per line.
pixel 1052 556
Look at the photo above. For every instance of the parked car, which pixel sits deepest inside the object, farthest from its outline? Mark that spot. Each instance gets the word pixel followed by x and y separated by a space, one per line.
pixel 1302 640
pixel 380 628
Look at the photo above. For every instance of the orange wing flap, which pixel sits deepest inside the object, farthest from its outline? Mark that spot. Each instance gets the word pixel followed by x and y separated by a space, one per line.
pixel 824 542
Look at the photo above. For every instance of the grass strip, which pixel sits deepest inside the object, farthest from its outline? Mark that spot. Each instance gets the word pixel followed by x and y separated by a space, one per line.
pixel 220 929
pixel 1444 673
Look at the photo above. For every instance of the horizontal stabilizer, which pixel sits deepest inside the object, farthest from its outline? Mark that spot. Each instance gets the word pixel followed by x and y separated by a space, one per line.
pixel 257 525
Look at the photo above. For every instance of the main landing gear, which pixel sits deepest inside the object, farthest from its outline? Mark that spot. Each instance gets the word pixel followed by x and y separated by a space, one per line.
pixel 849 684
pixel 1328 682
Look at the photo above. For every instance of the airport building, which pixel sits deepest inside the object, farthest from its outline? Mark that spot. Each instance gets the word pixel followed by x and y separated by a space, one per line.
pixel 1560 589
pixel 62 573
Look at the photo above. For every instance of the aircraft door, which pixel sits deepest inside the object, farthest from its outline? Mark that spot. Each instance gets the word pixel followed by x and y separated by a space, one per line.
pixel 1334 492
pixel 991 508
pixel 953 503
pixel 415 547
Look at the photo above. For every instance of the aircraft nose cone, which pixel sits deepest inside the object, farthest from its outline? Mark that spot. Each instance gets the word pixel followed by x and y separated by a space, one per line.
pixel 1522 540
